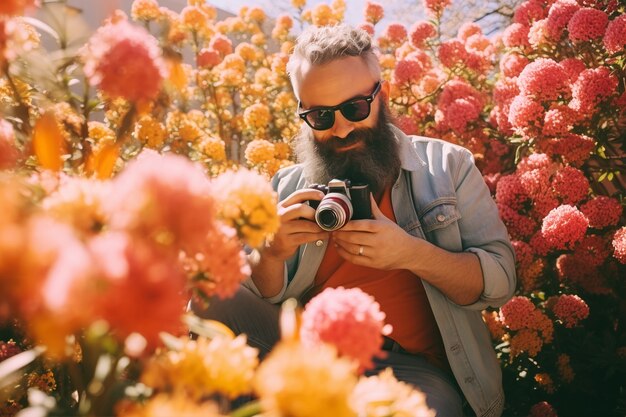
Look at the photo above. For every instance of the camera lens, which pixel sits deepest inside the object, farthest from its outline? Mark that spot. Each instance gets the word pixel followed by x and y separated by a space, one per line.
pixel 333 212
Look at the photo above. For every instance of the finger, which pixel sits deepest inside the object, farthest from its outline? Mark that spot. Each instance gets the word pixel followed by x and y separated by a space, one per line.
pixel 300 196
pixel 300 226
pixel 355 238
pixel 296 211
pixel 356 259
pixel 302 238
pixel 376 210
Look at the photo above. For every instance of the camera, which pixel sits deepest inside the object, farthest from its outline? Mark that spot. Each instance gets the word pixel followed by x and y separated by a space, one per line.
pixel 343 202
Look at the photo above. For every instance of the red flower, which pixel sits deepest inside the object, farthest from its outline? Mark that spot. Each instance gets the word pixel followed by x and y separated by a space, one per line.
pixel 587 24
pixel 564 226
pixel 602 211
pixel 615 36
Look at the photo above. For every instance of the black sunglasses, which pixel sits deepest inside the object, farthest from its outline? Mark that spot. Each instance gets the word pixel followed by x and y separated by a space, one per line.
pixel 354 110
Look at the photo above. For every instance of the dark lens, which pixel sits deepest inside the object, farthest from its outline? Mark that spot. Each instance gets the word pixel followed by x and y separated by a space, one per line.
pixel 356 110
pixel 328 219
pixel 321 119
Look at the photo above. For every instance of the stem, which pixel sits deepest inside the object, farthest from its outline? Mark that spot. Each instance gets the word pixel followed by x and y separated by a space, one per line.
pixel 22 110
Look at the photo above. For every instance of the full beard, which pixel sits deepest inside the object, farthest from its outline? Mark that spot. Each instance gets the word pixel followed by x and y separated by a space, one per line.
pixel 376 162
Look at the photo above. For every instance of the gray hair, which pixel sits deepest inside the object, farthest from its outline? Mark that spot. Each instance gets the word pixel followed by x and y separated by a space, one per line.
pixel 324 44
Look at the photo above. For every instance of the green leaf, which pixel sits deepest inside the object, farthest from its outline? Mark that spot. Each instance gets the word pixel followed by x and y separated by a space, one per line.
pixel 248 410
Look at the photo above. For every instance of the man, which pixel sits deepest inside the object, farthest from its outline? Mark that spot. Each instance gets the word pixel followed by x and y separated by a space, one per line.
pixel 434 255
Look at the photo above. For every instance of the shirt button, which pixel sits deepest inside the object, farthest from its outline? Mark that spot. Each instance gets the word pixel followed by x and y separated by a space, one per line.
pixel 319 243
pixel 440 218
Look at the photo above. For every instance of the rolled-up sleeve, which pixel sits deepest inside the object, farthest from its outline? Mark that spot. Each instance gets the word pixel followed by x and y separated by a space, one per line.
pixel 484 234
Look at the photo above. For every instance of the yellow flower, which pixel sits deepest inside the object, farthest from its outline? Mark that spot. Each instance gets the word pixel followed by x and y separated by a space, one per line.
pixel 202 367
pixel 247 202
pixel 189 131
pixel 262 75
pixel 145 10
pixel 258 39
pixel 246 51
pixel 194 18
pixel 298 4
pixel 297 381
pixel 234 62
pixel 231 77
pixel 285 101
pixel 384 395
pixel 322 15
pixel 282 150
pixel 256 14
pixel 150 131
pixel 286 47
pixel 257 116
pixel 99 132
pixel 214 148
pixel 259 151
pixel 387 61
pixel 162 405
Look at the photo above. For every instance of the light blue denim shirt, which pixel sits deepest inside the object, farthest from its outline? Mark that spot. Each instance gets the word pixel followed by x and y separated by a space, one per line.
pixel 440 196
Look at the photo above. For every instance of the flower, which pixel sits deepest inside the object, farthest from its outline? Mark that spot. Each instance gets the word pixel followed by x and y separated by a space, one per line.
pixel 420 32
pixel 574 149
pixel 350 320
pixel 259 151
pixel 564 226
pixel 573 67
pixel 395 33
pixel 145 10
pixel 570 309
pixel 570 185
pixel 221 44
pixel 407 71
pixel 619 245
pixel 516 35
pixel 602 211
pixel 516 314
pixel 512 64
pixel 592 86
pixel 257 116
pixel 587 24
pixel 565 369
pixel 559 16
pixel 373 12
pixel 288 381
pixel 615 37
pixel 384 395
pixel 124 61
pixel 436 7
pixel 526 113
pixel 176 404
pixel 544 80
pixel 542 409
pixel 204 366
pixel 247 202
pixel 526 340
pixel 150 131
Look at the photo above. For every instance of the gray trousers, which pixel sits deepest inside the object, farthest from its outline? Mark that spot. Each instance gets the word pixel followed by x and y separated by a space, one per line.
pixel 246 313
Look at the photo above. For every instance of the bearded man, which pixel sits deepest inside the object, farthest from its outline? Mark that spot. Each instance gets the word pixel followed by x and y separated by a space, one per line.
pixel 433 255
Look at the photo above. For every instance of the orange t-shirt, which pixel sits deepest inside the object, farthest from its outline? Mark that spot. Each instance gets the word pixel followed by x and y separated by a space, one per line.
pixel 399 292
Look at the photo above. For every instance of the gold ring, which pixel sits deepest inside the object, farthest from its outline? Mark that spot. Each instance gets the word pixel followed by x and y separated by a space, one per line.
pixel 360 250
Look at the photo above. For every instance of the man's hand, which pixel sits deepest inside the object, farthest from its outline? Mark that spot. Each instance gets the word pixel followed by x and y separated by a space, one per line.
pixel 297 225
pixel 385 245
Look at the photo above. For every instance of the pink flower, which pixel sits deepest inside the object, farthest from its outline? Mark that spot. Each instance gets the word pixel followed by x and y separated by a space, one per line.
pixel 436 7
pixel 452 53
pixel 468 29
pixel 534 161
pixel 526 113
pixel 9 153
pixel 564 227
pixel 373 12
pixel 602 211
pixel 512 64
pixel 544 79
pixel 504 91
pixel 368 27
pixel 350 320
pixel 559 16
pixel 221 44
pixel 516 35
pixel 570 185
pixel 124 61
pixel 143 288
pixel 593 250
pixel 459 89
pixel 459 113
pixel 208 58
pixel 517 313
pixel 166 198
pixel 619 245
pixel 587 24
pixel 573 149
pixel 523 252
pixel 510 192
pixel 543 409
pixel 16 7
pixel 570 309
pixel 538 33
pixel 558 120
pixel 573 67
pixel 592 86
pixel 396 33
pixel 407 71
pixel 407 124
pixel 220 267
pixel 520 226
pixel 420 32
pixel 615 36
pixel 528 12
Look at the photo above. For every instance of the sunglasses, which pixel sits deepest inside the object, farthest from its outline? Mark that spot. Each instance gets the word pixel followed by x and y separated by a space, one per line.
pixel 354 110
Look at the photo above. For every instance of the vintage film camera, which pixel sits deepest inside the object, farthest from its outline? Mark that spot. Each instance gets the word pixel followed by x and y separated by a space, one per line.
pixel 343 202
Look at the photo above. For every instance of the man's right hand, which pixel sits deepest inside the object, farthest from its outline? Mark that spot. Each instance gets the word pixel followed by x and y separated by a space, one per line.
pixel 297 225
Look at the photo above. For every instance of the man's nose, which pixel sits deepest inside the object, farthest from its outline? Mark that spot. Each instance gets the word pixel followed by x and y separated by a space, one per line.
pixel 342 126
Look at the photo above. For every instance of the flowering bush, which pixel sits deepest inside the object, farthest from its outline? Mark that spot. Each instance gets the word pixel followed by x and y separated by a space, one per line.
pixel 118 198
